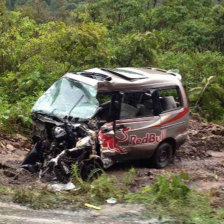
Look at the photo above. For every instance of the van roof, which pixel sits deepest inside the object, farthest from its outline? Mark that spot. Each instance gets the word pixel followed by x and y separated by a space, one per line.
pixel 121 79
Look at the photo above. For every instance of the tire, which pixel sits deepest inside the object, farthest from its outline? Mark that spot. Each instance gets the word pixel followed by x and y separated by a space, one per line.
pixel 89 166
pixel 163 155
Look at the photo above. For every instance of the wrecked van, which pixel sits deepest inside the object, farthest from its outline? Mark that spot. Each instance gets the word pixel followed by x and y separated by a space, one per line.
pixel 99 117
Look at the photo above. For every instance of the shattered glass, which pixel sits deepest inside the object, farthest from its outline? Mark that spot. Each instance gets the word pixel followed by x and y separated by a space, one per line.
pixel 67 97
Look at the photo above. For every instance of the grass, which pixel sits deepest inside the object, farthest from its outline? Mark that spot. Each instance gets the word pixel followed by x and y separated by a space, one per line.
pixel 104 186
pixel 169 196
pixel 35 198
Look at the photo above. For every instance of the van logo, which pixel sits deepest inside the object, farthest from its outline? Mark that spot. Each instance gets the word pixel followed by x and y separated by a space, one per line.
pixel 149 138
pixel 111 142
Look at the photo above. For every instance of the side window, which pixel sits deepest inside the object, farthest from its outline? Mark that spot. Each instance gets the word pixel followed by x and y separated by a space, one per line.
pixel 136 105
pixel 146 106
pixel 170 99
pixel 129 105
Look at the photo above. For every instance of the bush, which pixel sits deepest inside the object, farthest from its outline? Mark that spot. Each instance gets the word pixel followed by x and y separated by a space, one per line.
pixel 171 197
pixel 196 68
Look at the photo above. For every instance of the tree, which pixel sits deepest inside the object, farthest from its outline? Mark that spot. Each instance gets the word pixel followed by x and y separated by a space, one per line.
pixel 2 7
pixel 136 49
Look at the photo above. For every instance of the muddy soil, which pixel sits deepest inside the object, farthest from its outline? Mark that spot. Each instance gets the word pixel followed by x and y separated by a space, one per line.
pixel 202 157
pixel 12 151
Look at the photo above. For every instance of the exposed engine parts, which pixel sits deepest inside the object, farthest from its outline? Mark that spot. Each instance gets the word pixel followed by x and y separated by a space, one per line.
pixel 67 144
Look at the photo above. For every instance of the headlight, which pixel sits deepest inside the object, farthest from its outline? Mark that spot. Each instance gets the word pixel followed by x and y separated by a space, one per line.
pixel 59 132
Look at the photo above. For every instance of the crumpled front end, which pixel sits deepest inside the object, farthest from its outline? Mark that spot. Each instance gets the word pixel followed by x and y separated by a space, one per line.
pixel 59 146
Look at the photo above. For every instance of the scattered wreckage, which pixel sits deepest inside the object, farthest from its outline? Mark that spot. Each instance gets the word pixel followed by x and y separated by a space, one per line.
pixel 100 117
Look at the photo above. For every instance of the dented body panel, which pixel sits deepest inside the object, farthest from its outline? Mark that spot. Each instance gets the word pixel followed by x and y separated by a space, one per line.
pixel 119 114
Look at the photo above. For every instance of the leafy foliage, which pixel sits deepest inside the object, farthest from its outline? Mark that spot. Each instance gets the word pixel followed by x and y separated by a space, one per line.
pixel 33 56
pixel 169 195
pixel 165 189
pixel 41 40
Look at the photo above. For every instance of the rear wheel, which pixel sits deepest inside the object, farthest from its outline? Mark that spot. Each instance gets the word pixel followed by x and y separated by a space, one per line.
pixel 163 155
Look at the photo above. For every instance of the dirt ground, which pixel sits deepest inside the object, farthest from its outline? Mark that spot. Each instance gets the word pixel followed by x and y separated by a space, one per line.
pixel 117 214
pixel 202 157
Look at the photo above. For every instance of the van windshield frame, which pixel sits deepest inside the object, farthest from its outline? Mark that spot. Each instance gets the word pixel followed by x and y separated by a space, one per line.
pixel 68 97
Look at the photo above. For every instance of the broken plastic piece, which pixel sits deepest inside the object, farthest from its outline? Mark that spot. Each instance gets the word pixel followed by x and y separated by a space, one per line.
pixel 111 200
pixel 92 206
pixel 63 187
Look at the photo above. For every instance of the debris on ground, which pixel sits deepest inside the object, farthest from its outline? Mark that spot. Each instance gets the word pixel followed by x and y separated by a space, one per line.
pixel 62 187
pixel 92 206
pixel 111 201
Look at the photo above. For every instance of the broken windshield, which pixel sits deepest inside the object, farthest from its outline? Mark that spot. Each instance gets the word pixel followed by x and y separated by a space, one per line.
pixel 68 97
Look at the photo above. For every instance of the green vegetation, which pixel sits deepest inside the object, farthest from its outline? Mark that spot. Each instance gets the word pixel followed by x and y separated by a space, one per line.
pixel 169 197
pixel 38 44
pixel 41 40
pixel 104 186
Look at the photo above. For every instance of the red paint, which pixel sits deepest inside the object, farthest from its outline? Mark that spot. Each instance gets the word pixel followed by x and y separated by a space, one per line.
pixel 111 142
pixel 178 116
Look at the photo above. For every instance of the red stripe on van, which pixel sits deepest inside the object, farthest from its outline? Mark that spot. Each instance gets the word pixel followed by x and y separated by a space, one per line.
pixel 178 116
